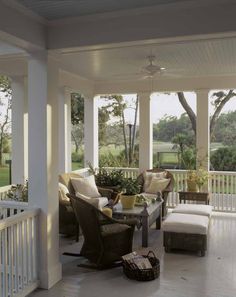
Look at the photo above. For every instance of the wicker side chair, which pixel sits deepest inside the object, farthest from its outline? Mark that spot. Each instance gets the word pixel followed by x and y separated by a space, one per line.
pixel 68 224
pixel 105 239
pixel 166 191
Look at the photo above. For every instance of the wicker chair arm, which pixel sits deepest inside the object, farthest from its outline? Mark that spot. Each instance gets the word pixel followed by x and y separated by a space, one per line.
pixel 64 202
pixel 105 192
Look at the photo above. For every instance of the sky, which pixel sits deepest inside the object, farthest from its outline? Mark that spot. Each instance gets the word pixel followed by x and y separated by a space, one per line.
pixel 161 104
pixel 168 104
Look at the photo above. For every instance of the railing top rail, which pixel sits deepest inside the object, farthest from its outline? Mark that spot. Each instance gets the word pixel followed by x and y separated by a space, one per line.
pixel 5 188
pixel 223 172
pixel 122 168
pixel 13 204
pixel 14 219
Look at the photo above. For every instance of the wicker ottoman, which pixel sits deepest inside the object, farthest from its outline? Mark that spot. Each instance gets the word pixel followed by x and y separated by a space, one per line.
pixel 186 232
pixel 194 209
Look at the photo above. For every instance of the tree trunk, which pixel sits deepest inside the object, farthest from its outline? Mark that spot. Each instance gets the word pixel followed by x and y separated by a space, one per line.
pixel 215 116
pixel 76 143
pixel 219 109
pixel 188 110
pixel 124 135
pixel 135 126
pixel 2 129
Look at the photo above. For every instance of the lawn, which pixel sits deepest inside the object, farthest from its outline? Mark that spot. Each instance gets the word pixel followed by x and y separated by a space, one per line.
pixel 4 176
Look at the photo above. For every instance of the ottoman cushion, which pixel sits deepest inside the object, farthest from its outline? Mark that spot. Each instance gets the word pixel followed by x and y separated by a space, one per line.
pixel 186 223
pixel 195 209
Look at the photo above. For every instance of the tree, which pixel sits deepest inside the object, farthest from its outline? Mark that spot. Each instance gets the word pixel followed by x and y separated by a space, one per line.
pixel 220 99
pixel 224 159
pixel 5 102
pixel 77 119
pixel 117 106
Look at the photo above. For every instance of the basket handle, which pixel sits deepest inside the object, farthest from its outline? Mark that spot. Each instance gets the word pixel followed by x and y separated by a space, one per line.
pixel 152 254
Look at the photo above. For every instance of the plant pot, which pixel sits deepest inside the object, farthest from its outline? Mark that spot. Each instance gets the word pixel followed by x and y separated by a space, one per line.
pixel 127 201
pixel 192 186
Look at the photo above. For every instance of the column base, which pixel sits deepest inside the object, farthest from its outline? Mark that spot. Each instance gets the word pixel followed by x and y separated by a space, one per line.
pixel 48 278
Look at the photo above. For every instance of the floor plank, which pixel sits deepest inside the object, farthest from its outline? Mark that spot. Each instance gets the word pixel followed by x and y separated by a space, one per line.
pixel 182 274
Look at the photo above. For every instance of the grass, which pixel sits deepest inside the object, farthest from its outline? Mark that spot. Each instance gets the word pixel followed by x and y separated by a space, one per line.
pixel 4 176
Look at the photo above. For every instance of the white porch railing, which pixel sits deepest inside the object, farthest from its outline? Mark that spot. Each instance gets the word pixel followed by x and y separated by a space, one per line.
pixel 3 192
pixel 222 187
pixel 18 249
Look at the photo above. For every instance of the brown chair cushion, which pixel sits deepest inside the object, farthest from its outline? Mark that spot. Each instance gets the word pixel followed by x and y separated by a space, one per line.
pixel 65 179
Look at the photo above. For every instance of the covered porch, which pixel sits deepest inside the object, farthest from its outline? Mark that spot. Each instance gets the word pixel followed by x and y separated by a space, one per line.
pixel 46 62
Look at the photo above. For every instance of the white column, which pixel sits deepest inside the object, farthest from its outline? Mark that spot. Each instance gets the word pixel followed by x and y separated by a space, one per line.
pixel 202 127
pixel 64 130
pixel 26 136
pixel 43 162
pixel 18 132
pixel 145 132
pixel 90 131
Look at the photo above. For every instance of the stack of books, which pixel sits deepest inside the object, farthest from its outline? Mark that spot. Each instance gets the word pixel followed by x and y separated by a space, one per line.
pixel 135 261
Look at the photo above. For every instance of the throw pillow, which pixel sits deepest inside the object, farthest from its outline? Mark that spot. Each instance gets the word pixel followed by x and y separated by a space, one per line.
pixel 157 185
pixel 99 202
pixel 86 186
pixel 148 177
pixel 63 191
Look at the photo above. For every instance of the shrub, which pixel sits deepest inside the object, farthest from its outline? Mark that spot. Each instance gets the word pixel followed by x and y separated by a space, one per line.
pixel 224 159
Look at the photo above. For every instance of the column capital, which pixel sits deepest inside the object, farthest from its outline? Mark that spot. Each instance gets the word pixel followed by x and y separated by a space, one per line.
pixel 88 95
pixel 145 95
pixel 202 91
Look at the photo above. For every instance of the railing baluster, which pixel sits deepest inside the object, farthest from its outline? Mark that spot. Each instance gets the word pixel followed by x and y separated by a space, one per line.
pixel 18 250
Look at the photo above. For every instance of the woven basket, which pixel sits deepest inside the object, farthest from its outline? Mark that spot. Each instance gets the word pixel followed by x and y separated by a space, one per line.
pixel 144 274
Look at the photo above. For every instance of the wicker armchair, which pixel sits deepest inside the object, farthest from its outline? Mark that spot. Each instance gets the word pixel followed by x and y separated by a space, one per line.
pixel 68 224
pixel 105 239
pixel 166 191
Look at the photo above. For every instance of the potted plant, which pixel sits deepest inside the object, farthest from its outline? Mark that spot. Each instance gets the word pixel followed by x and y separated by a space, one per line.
pixel 109 179
pixel 131 188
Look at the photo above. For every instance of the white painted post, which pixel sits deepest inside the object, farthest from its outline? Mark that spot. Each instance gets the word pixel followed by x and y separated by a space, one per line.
pixel 43 161
pixel 91 131
pixel 203 132
pixel 145 132
pixel 202 127
pixel 18 130
pixel 64 130
pixel 26 136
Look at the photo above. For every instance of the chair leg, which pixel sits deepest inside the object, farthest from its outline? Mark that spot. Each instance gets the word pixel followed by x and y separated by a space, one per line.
pixel 77 232
pixel 72 254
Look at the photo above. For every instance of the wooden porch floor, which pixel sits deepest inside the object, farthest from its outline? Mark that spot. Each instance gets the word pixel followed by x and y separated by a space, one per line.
pixel 182 274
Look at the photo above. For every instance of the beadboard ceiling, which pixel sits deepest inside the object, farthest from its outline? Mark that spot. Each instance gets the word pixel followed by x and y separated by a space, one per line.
pixel 187 59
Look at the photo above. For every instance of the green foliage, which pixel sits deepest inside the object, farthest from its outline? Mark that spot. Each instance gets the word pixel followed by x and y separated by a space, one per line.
pixel 225 128
pixel 224 159
pixel 169 126
pixel 131 186
pixel 77 157
pixel 103 177
pixel 188 158
pixel 77 109
pixel 5 85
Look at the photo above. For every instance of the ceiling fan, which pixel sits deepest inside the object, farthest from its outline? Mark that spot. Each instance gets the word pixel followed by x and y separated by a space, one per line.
pixel 152 69
pixel 149 71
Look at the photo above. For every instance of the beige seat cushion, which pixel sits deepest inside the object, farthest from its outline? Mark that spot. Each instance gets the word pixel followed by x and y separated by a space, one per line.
pixel 157 185
pixel 65 180
pixel 148 177
pixel 63 190
pixel 86 186
pixel 99 202
pixel 186 223
pixel 195 209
